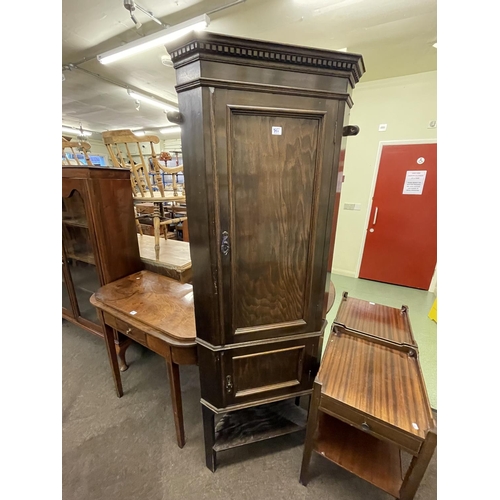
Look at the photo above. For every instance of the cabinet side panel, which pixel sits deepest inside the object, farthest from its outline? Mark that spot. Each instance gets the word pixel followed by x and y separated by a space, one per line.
pixel 198 160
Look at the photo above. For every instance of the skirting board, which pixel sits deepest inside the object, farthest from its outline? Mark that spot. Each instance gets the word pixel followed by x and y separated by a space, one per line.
pixel 343 272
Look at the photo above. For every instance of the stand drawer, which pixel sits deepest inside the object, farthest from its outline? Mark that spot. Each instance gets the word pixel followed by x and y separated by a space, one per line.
pixel 126 329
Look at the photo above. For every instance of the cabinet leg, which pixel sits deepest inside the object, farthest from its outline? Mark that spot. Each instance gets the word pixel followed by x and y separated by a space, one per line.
pixel 175 393
pixel 109 339
pixel 312 423
pixel 121 349
pixel 209 433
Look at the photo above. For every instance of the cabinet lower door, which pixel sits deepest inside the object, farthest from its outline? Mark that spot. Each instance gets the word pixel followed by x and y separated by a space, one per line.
pixel 262 372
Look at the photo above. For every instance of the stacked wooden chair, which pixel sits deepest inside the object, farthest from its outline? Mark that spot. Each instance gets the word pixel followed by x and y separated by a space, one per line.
pixel 75 147
pixel 138 154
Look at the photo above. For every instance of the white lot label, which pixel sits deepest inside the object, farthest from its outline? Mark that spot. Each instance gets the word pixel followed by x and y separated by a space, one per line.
pixel 276 130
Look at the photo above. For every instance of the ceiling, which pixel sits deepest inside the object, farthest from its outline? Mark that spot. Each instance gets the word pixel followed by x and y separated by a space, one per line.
pixel 395 37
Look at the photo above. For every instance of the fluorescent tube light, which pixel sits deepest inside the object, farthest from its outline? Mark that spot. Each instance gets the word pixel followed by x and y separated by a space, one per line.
pixel 151 100
pixel 170 130
pixel 139 133
pixel 159 38
pixel 435 45
pixel 76 131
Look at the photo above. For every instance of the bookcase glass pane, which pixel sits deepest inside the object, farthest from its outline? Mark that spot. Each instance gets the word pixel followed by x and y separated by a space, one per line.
pixel 79 254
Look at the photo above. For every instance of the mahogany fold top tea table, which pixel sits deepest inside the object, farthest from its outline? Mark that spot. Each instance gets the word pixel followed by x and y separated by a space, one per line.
pixel 158 313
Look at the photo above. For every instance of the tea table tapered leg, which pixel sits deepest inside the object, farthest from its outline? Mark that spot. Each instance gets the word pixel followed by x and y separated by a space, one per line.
pixel 113 358
pixel 175 393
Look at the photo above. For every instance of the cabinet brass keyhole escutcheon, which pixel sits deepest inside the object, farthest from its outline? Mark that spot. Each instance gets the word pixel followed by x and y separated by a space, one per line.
pixel 229 384
pixel 224 247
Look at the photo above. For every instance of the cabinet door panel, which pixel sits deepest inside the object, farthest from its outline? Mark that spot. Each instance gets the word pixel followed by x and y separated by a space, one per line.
pixel 79 252
pixel 260 372
pixel 272 202
pixel 270 184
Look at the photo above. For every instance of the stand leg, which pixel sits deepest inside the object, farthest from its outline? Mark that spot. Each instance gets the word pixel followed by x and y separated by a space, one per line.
pixel 109 338
pixel 312 423
pixel 175 393
pixel 418 466
pixel 209 432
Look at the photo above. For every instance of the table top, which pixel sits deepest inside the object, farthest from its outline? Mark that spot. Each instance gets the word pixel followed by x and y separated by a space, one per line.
pixel 366 317
pixel 174 254
pixel 152 300
pixel 380 380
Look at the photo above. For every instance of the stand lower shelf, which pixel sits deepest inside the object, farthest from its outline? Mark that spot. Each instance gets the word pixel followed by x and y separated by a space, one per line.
pixel 374 460
pixel 258 423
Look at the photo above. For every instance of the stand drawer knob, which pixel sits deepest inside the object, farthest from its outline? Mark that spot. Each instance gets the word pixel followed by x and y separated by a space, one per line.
pixel 365 427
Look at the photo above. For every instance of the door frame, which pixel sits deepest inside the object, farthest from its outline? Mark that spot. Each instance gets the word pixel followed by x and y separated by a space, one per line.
pixel 381 144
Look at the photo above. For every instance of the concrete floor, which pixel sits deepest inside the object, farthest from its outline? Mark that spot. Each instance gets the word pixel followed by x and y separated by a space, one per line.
pixel 125 449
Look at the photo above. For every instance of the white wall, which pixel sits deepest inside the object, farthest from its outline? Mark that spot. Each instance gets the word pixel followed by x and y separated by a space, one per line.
pixel 406 104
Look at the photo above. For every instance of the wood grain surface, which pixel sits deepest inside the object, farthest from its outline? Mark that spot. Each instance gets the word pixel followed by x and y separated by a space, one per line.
pixel 173 254
pixel 272 194
pixel 376 461
pixel 378 380
pixel 375 319
pixel 159 302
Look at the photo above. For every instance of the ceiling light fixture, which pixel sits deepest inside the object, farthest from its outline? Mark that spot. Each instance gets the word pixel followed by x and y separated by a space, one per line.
pixel 151 100
pixel 170 130
pixel 159 38
pixel 75 131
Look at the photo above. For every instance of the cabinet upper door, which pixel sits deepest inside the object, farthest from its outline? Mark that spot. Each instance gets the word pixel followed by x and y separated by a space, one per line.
pixel 275 214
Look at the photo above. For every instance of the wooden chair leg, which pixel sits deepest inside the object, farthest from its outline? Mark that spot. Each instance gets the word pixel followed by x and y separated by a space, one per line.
pixel 137 223
pixel 312 423
pixel 209 433
pixel 156 229
pixel 109 338
pixel 175 393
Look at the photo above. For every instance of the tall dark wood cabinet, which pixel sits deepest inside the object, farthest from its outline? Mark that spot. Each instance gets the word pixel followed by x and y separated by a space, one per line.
pixel 262 126
pixel 99 241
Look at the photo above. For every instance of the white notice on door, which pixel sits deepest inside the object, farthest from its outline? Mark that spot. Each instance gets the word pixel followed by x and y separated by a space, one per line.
pixel 414 182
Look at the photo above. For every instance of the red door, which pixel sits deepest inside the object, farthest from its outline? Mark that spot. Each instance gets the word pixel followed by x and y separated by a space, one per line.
pixel 401 239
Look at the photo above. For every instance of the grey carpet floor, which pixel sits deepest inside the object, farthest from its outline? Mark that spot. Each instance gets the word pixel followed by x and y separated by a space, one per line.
pixel 125 448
